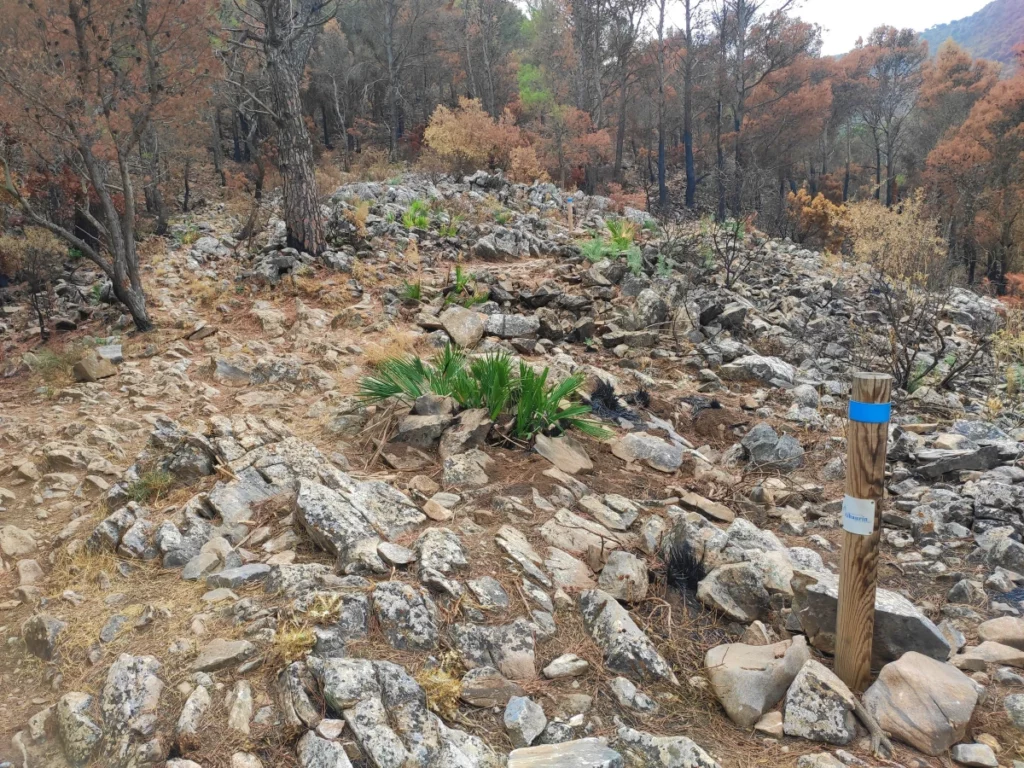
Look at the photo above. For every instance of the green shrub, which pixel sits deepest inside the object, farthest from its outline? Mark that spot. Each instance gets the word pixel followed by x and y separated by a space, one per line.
pixel 412 291
pixel 532 404
pixel 595 249
pixel 418 215
pixel 619 240
pixel 539 406
pixel 150 486
pixel 461 292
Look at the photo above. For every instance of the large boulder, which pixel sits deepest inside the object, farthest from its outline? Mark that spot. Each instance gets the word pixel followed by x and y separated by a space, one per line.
pixel 751 679
pixel 922 702
pixel 899 625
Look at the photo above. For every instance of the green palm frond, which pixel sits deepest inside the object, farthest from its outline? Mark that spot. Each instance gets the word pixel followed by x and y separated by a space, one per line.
pixel 496 386
pixel 395 377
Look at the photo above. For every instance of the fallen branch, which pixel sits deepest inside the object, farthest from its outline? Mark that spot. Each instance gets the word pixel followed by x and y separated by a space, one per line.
pixel 881 747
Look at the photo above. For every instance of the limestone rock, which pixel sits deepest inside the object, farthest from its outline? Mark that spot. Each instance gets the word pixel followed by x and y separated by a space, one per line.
pixel 664 751
pixel 1007 630
pixel 767 449
pixel 466 469
pixel 624 576
pixel 487 687
pixel 751 679
pixel 653 451
pixel 627 650
pixel 524 720
pixel 899 625
pixel 582 753
pixel 975 755
pixel 922 702
pixel 15 542
pixel 576 535
pixel 766 369
pixel 566 665
pixel 221 653
pixel 736 590
pixel 819 706
pixel 130 701
pixel 407 615
pixel 316 752
pixel 191 717
pixel 79 734
pixel 465 326
pixel 565 453
pixel 41 633
pixel 508 648
pixel 93 367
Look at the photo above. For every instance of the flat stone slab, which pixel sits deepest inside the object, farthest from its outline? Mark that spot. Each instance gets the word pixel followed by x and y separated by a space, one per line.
pixel 222 653
pixel 582 753
pixel 232 578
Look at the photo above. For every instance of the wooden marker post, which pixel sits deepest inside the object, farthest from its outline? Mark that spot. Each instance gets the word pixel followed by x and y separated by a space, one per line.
pixel 866 438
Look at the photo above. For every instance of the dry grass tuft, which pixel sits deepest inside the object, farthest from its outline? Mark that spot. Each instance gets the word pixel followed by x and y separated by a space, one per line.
pixel 157 606
pixel 291 643
pixel 357 214
pixel 394 343
pixel 443 686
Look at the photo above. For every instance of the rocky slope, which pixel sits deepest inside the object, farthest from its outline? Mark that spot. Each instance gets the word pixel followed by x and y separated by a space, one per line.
pixel 215 555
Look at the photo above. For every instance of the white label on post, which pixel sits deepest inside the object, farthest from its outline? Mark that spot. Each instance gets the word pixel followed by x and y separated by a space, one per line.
pixel 859 515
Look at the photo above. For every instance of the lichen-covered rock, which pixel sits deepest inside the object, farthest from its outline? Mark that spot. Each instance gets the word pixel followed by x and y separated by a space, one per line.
pixel 191 718
pixel 407 615
pixel 624 576
pixel 664 751
pixel 819 706
pixel 626 648
pixel 41 634
pixel 79 734
pixel 316 752
pixel 130 702
pixel 508 648
pixel 737 590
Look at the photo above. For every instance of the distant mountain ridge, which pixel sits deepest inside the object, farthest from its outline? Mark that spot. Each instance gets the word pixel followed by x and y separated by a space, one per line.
pixel 991 33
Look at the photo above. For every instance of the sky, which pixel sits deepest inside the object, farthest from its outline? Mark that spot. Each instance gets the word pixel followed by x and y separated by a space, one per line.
pixel 843 21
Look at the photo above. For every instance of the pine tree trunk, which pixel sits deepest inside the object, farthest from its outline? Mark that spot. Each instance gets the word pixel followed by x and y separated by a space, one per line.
pixel 295 158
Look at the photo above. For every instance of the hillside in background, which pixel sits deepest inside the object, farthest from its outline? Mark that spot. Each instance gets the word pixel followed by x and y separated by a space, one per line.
pixel 991 33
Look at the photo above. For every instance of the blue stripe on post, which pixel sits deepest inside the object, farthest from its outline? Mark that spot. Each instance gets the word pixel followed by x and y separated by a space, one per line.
pixel 869 413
